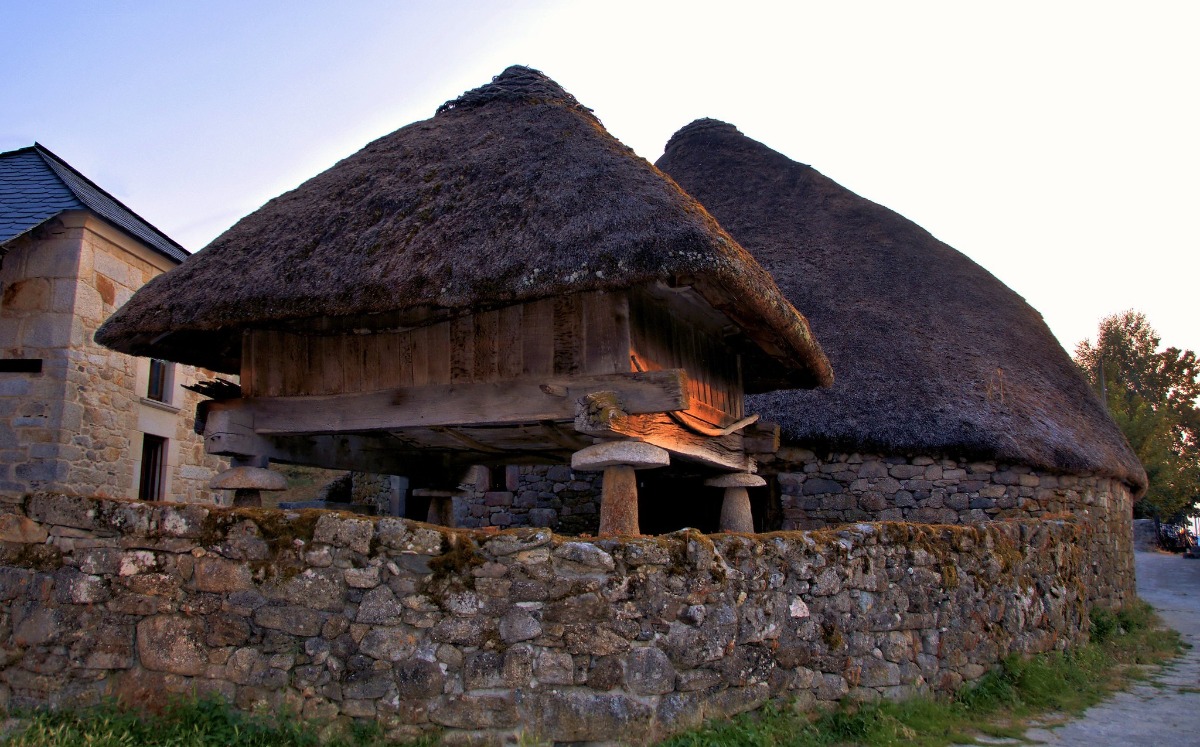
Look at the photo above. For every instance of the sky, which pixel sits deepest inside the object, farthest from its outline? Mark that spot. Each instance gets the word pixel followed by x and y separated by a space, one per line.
pixel 1054 143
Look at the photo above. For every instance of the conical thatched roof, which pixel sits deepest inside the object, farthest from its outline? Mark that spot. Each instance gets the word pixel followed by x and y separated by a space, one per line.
pixel 512 192
pixel 933 353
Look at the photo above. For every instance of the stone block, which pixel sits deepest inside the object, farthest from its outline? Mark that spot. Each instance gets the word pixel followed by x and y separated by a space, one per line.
pixel 362 578
pixel 483 670
pixel 355 534
pixel 418 679
pixel 216 574
pixel 367 684
pixel 317 588
pixel 817 486
pixel 475 711
pixel 19 529
pixel 519 625
pixel 171 643
pixel 648 671
pixel 292 619
pixel 582 557
pixel 379 606
pixel 580 714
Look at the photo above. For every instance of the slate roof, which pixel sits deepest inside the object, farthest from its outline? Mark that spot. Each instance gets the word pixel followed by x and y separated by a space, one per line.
pixel 36 186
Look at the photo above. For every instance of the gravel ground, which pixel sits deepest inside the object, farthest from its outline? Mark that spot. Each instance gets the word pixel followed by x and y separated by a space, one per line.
pixel 1165 710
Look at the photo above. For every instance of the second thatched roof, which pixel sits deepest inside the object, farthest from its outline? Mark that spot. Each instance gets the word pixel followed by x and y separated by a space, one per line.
pixel 512 192
pixel 933 353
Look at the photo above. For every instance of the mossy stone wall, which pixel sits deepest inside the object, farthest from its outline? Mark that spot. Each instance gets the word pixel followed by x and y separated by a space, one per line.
pixel 488 635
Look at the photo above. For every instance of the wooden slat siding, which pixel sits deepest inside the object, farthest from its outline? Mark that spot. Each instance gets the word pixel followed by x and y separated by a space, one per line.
pixel 462 349
pixel 735 385
pixel 606 332
pixel 384 355
pixel 246 373
pixel 509 341
pixel 271 361
pixel 355 370
pixel 537 341
pixel 660 339
pixel 437 353
pixel 372 360
pixel 294 356
pixel 568 335
pixel 706 367
pixel 487 324
pixel 333 357
pixel 418 342
pixel 404 357
pixel 645 339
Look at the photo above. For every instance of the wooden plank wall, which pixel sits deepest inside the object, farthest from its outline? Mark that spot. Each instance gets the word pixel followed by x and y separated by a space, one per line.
pixel 663 339
pixel 582 334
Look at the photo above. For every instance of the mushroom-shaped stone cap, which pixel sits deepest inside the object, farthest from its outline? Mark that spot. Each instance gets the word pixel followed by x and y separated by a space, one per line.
pixel 735 480
pixel 636 454
pixel 248 478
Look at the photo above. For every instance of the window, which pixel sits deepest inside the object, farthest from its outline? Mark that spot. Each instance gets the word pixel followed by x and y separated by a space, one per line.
pixel 154 460
pixel 159 388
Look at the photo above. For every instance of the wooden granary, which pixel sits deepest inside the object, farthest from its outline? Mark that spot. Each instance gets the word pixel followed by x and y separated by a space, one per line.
pixel 502 283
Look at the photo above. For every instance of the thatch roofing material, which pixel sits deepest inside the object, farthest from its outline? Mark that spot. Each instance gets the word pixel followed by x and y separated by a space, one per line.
pixel 933 353
pixel 511 193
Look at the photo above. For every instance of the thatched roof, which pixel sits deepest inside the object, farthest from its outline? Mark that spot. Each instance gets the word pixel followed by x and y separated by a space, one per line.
pixel 933 353
pixel 512 192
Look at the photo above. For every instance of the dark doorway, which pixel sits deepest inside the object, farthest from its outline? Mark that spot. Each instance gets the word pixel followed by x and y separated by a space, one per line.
pixel 154 453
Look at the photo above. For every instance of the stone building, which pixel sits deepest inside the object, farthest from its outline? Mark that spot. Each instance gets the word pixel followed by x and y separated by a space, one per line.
pixel 953 404
pixel 75 417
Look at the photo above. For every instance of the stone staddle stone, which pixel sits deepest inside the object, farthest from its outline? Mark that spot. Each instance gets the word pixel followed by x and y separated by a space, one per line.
pixel 248 478
pixel 736 515
pixel 735 480
pixel 635 454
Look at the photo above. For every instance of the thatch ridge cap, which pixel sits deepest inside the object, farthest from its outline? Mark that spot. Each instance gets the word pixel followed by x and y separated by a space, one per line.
pixel 517 83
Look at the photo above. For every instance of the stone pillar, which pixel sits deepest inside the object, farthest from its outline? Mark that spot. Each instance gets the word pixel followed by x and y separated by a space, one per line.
pixel 735 509
pixel 246 484
pixel 618 496
pixel 441 505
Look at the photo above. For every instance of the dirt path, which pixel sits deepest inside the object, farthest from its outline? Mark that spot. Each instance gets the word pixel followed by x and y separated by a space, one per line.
pixel 1164 710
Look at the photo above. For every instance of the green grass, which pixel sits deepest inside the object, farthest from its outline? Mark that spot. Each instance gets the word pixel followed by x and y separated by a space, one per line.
pixel 186 722
pixel 999 705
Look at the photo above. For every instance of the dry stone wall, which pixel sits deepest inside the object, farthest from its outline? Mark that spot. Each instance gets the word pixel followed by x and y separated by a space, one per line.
pixel 843 488
pixel 532 496
pixel 491 635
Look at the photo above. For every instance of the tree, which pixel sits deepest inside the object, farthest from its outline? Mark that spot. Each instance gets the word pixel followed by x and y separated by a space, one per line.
pixel 1153 396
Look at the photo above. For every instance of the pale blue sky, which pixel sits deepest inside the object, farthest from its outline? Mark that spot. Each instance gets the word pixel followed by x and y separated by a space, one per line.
pixel 1053 142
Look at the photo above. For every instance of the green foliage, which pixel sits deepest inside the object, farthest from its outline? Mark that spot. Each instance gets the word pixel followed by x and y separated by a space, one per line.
pixel 1152 395
pixel 996 705
pixel 205 722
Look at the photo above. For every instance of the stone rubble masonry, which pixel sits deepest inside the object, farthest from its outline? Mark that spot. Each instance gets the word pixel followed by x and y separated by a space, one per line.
pixel 532 495
pixel 514 634
pixel 76 426
pixel 843 488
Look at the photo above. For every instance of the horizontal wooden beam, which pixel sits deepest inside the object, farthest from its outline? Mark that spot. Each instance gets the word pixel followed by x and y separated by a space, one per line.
pixel 494 403
pixel 762 438
pixel 228 433
pixel 598 419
